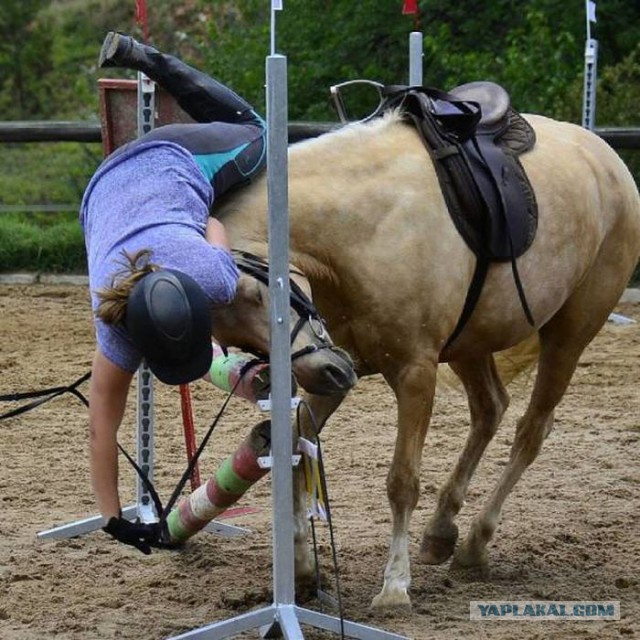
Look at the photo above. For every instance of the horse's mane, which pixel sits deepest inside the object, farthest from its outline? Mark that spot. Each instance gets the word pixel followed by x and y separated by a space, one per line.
pixel 350 133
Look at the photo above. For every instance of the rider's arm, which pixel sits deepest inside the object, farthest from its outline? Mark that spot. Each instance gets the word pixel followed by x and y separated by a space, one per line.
pixel 107 401
pixel 216 234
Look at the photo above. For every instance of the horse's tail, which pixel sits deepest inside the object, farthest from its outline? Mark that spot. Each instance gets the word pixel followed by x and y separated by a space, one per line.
pixel 510 363
pixel 518 359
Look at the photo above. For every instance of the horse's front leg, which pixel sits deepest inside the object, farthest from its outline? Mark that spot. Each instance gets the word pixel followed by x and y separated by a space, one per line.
pixel 321 407
pixel 414 388
pixel 488 400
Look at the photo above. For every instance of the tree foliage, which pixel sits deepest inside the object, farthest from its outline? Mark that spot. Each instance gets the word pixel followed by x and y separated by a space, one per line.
pixel 535 49
pixel 49 48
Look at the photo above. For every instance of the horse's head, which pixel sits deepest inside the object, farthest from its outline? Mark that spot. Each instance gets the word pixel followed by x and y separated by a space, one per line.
pixel 319 366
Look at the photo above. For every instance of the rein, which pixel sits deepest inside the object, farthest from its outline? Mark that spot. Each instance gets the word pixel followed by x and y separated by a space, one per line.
pixel 44 395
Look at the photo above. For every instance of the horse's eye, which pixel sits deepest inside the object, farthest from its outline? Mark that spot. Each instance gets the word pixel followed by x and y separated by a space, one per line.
pixel 259 294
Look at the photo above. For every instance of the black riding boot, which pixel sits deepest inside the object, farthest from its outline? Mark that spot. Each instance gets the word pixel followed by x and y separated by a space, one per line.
pixel 202 97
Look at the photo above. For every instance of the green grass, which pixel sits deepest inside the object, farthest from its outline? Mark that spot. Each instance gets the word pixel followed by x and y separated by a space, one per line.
pixel 44 173
pixel 57 246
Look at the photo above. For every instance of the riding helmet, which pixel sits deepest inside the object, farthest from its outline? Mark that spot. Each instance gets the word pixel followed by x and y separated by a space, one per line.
pixel 169 320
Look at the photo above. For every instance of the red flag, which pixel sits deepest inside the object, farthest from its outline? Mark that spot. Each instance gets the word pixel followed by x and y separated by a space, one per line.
pixel 410 6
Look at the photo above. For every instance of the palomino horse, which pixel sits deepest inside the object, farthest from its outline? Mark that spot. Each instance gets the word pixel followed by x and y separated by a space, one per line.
pixel 370 230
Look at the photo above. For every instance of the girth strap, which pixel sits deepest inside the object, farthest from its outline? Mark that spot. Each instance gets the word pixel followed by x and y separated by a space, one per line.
pixel 473 294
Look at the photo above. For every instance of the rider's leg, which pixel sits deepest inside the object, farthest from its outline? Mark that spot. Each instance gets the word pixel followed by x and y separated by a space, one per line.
pixel 202 97
pixel 229 154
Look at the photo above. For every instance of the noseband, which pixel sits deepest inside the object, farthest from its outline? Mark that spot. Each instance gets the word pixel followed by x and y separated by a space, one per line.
pixel 258 268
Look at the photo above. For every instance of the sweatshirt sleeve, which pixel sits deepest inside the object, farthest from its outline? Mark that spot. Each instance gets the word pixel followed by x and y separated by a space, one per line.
pixel 223 277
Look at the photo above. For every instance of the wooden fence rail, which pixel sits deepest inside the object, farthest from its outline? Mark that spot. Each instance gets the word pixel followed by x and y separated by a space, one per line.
pixel 46 131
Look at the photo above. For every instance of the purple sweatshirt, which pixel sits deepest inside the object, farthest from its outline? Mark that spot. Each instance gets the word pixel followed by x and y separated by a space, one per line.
pixel 153 197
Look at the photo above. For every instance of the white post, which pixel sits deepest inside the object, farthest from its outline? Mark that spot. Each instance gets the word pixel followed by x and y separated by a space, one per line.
pixel 590 82
pixel 280 357
pixel 590 70
pixel 145 509
pixel 416 76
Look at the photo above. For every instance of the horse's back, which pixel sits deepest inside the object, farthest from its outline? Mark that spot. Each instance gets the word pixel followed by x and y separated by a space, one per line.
pixel 566 150
pixel 588 231
pixel 585 193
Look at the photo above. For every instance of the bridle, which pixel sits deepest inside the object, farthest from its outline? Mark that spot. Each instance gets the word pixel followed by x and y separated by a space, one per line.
pixel 258 268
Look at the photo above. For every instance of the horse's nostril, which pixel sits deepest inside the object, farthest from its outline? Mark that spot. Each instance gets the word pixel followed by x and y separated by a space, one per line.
pixel 342 377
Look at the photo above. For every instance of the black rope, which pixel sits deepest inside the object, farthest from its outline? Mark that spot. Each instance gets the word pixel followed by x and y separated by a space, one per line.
pixel 191 466
pixel 325 491
pixel 44 396
pixel 144 477
pixel 163 511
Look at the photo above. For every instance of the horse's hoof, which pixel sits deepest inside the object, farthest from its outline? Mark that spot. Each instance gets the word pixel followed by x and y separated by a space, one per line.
pixel 438 545
pixel 466 558
pixel 306 590
pixel 436 550
pixel 394 600
pixel 306 585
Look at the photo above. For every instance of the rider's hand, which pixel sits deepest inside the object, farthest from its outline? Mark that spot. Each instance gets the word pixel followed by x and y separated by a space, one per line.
pixel 137 534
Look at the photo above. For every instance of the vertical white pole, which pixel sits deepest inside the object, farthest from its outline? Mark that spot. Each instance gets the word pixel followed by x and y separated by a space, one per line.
pixel 281 431
pixel 590 71
pixel 145 418
pixel 590 82
pixel 415 59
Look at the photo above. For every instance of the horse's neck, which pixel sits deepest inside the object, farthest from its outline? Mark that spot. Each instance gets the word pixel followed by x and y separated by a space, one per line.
pixel 327 176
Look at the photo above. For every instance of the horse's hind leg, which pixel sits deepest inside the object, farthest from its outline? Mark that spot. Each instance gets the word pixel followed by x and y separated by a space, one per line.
pixel 488 400
pixel 562 341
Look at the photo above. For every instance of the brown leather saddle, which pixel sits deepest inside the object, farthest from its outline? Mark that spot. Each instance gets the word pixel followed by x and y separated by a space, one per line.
pixel 474 138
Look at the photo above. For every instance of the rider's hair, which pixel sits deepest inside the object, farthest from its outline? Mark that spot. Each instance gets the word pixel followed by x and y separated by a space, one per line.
pixel 114 298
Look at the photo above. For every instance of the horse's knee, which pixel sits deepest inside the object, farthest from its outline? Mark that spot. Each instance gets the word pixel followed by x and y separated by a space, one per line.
pixel 403 490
